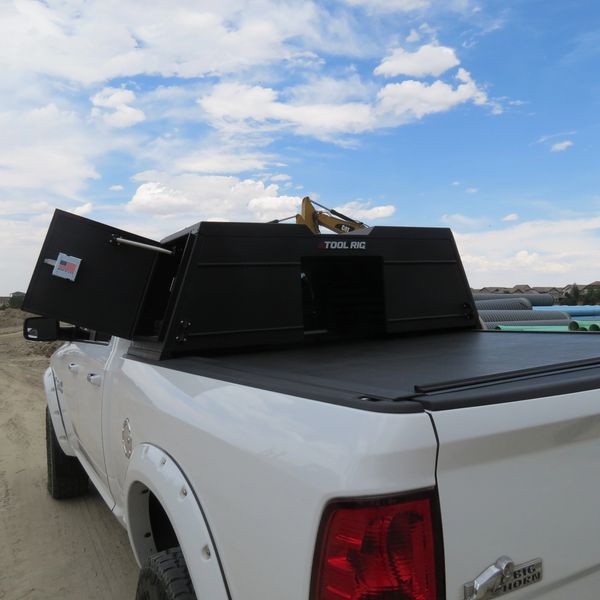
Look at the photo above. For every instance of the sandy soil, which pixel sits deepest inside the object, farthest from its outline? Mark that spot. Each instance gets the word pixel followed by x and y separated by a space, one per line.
pixel 69 549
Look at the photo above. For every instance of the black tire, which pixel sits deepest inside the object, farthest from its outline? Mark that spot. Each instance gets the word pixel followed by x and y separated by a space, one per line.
pixel 165 577
pixel 66 476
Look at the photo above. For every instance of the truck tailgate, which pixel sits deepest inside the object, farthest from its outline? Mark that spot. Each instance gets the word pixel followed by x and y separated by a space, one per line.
pixel 522 480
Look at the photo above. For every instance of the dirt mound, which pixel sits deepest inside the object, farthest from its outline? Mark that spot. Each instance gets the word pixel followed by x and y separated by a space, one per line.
pixel 12 317
pixel 59 550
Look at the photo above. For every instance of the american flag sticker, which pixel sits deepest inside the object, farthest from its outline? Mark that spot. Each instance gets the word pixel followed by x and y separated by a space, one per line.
pixel 66 266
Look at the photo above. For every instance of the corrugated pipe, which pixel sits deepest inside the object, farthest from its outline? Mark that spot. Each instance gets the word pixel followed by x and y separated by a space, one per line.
pixel 508 304
pixel 535 299
pixel 522 315
pixel 543 323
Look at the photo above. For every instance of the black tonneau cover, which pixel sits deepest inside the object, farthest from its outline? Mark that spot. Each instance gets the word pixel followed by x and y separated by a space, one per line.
pixel 412 373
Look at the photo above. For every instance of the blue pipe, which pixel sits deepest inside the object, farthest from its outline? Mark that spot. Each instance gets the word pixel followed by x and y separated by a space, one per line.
pixel 574 311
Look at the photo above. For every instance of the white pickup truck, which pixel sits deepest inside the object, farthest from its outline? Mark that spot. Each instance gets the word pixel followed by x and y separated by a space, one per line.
pixel 430 463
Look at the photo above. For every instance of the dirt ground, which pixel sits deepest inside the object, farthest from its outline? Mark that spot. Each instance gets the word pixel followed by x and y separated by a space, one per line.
pixel 69 549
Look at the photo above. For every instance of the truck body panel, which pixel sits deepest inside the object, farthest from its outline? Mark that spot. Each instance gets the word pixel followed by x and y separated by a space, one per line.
pixel 262 464
pixel 521 480
pixel 267 439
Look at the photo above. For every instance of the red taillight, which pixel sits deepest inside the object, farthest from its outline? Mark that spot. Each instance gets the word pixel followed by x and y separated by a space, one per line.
pixel 377 550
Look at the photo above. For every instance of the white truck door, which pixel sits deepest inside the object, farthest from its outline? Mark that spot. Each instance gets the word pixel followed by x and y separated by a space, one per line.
pixel 88 360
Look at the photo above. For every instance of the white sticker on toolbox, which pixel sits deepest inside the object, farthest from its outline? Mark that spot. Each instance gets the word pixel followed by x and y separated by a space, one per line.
pixel 66 266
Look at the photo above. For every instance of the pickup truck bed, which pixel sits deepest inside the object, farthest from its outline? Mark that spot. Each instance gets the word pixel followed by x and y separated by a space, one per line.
pixel 410 374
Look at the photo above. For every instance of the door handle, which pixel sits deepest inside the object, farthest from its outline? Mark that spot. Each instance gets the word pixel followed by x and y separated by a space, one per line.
pixel 94 379
pixel 73 367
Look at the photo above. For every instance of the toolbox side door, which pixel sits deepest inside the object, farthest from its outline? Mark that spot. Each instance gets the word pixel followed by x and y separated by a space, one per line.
pixel 92 275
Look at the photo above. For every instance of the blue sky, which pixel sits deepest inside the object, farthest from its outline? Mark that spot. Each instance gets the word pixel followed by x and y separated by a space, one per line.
pixel 479 116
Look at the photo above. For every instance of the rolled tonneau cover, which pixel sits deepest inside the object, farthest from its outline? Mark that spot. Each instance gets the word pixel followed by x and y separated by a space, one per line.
pixel 413 373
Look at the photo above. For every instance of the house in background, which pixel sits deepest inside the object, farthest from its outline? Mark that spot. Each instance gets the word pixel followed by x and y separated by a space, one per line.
pixel 15 300
pixel 561 294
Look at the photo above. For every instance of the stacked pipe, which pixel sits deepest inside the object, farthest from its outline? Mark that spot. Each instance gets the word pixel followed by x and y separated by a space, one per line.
pixel 521 312
pixel 493 318
pixel 508 304
pixel 535 299
pixel 534 312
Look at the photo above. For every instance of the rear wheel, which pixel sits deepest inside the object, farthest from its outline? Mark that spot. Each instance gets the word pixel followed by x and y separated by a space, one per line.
pixel 66 476
pixel 165 577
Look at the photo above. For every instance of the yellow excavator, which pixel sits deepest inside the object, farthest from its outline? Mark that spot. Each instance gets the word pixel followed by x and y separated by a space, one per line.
pixel 328 217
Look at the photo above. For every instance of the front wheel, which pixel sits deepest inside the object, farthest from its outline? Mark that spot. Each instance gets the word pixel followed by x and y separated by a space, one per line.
pixel 66 476
pixel 165 577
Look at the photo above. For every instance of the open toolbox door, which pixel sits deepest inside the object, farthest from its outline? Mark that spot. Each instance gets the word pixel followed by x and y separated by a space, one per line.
pixel 92 275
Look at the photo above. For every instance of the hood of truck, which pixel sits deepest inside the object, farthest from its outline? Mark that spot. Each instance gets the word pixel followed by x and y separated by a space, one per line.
pixel 521 480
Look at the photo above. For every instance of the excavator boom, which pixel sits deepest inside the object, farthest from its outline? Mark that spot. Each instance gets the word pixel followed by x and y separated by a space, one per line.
pixel 328 218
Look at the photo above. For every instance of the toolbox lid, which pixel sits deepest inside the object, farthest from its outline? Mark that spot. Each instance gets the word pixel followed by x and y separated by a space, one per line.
pixel 85 276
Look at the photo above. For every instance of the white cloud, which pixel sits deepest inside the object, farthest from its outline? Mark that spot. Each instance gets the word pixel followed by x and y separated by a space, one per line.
pixel 181 199
pixel 21 241
pixel 413 36
pixel 113 97
pixel 280 177
pixel 201 197
pixel 523 264
pixel 48 149
pixel 117 111
pixel 540 252
pixel 268 208
pixel 511 217
pixel 561 146
pixel 235 107
pixel 414 99
pixel 459 220
pixel 472 190
pixel 455 183
pixel 329 90
pixel 116 188
pixel 405 6
pixel 84 209
pixel 221 161
pixel 544 138
pixel 94 42
pixel 364 211
pixel 391 5
pixel 428 60
pixel 124 116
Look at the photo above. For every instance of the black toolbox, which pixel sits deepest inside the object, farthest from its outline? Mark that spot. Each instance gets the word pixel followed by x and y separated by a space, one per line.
pixel 226 286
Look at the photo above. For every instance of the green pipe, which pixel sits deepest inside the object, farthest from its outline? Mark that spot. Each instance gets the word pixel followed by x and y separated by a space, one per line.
pixel 554 328
pixel 583 325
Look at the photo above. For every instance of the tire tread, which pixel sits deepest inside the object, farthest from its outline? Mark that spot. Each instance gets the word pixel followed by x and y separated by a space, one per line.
pixel 165 576
pixel 66 476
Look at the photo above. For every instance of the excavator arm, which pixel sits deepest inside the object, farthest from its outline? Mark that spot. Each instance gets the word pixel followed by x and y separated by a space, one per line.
pixel 328 218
